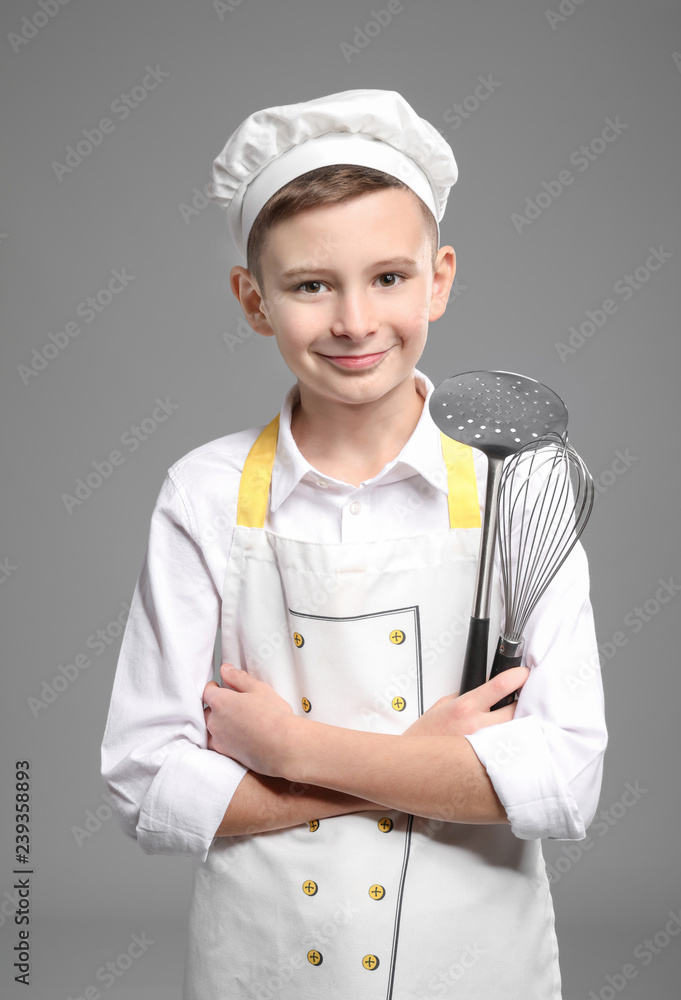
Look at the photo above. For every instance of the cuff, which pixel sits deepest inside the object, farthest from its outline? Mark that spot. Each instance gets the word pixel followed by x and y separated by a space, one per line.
pixel 537 799
pixel 186 802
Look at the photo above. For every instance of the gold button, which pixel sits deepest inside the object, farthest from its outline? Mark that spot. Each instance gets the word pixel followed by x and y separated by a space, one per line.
pixel 397 636
pixel 314 825
pixel 298 639
pixel 310 887
pixel 314 957
pixel 398 703
pixel 385 825
pixel 306 705
pixel 377 891
pixel 370 962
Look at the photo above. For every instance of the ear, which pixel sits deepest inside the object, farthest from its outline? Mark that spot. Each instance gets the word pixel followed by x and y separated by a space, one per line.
pixel 246 290
pixel 443 278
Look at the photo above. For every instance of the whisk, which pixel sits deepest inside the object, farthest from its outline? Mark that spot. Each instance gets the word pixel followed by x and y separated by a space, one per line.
pixel 546 496
pixel 497 413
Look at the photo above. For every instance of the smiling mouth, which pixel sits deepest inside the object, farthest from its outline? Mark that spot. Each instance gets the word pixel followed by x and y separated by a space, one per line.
pixel 355 360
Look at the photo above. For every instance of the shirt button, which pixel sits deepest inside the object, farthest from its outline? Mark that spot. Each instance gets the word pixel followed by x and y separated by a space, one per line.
pixel 310 887
pixel 385 824
pixel 314 957
pixel 370 962
pixel 355 507
pixel 399 704
pixel 323 483
pixel 377 891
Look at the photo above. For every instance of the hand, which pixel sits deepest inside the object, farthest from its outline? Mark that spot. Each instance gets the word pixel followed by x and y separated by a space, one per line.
pixel 247 721
pixel 461 715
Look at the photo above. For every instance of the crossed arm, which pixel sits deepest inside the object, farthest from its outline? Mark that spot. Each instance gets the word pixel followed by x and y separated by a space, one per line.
pixel 302 770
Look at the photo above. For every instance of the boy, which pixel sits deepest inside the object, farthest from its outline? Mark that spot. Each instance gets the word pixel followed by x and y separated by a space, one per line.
pixel 358 829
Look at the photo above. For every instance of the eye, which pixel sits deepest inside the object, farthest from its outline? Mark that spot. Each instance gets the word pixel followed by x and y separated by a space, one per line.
pixel 311 287
pixel 390 279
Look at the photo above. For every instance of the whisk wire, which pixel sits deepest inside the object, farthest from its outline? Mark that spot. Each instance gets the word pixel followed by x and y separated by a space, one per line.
pixel 538 530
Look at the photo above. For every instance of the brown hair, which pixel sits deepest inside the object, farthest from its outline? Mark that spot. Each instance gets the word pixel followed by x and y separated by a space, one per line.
pixel 328 185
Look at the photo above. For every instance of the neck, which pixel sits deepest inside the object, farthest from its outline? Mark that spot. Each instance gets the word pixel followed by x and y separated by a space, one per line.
pixel 353 442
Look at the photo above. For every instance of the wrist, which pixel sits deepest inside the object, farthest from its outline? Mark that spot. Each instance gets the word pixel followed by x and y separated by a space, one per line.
pixel 292 751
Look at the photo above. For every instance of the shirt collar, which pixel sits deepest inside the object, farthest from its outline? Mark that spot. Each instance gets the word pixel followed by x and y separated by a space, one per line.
pixel 421 455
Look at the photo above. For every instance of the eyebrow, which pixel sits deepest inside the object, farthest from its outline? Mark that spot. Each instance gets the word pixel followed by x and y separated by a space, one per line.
pixel 401 261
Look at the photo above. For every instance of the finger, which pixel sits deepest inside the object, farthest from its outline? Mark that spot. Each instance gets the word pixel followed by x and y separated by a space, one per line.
pixel 240 680
pixel 208 692
pixel 499 687
pixel 504 714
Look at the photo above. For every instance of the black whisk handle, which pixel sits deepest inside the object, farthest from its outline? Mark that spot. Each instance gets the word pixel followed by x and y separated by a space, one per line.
pixel 508 654
pixel 475 660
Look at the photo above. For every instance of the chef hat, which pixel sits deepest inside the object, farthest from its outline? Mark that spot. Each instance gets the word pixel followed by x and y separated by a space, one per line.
pixel 373 128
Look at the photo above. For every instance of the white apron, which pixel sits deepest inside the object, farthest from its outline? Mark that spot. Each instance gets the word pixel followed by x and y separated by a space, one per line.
pixel 378 904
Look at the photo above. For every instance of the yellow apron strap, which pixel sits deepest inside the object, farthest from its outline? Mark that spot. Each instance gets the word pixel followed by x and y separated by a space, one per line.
pixel 464 506
pixel 254 488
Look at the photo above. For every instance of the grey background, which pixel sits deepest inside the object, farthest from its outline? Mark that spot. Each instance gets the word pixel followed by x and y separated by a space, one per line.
pixel 517 295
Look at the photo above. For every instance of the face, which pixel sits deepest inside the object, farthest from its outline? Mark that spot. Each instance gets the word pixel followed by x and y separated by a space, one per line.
pixel 349 293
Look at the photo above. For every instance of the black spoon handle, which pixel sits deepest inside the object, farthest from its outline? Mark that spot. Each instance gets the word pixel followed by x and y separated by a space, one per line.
pixel 508 654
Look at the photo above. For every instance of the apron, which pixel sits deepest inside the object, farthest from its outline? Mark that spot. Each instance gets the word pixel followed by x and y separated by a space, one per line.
pixel 376 904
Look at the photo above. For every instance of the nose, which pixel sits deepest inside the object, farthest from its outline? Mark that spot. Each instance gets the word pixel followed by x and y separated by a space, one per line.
pixel 354 316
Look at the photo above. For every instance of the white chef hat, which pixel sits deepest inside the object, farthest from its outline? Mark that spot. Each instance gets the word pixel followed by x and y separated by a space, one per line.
pixel 373 128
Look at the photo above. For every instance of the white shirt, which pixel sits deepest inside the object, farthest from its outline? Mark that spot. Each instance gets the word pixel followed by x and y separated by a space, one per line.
pixel 171 791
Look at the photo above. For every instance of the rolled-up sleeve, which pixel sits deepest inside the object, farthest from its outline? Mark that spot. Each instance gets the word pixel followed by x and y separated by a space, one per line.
pixel 546 764
pixel 169 789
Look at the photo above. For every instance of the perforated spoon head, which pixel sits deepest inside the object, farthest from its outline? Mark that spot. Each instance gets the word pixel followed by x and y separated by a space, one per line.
pixel 496 412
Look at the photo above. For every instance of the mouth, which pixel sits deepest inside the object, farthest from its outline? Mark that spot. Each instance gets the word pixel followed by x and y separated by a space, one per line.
pixel 355 360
